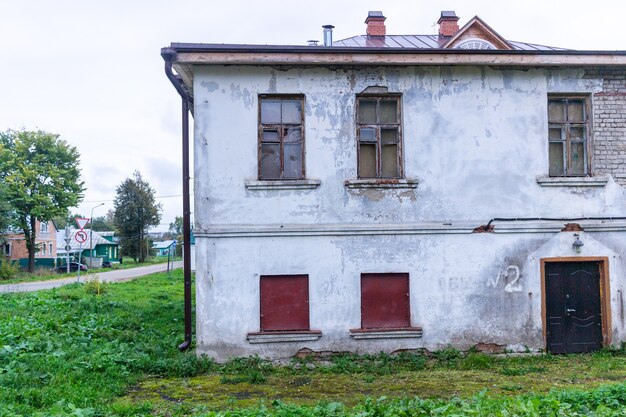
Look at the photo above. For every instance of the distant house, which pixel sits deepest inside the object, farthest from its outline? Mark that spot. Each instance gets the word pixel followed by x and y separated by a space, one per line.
pixel 164 248
pixel 14 248
pixel 103 246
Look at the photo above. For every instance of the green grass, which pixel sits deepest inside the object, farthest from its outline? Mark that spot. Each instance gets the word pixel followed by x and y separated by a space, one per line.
pixel 44 274
pixel 74 352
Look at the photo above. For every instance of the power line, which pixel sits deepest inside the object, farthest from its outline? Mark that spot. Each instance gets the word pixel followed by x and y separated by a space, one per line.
pixel 157 197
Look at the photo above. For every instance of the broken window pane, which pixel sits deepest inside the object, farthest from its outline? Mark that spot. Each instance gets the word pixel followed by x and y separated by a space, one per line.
pixel 293 161
pixel 390 161
pixel 389 135
pixel 367 134
pixel 577 133
pixel 293 134
pixel 367 111
pixel 556 158
pixel 556 111
pixel 388 111
pixel 577 159
pixel 270 136
pixel 576 111
pixel 367 161
pixel 556 133
pixel 292 111
pixel 270 161
pixel 270 111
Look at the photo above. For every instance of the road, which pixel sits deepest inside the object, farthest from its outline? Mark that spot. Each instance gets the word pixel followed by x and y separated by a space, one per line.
pixel 120 275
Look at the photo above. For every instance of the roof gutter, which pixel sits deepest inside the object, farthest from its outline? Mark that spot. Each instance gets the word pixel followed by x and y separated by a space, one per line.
pixel 169 55
pixel 221 54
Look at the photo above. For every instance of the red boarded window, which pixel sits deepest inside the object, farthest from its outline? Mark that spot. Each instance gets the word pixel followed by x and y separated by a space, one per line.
pixel 284 302
pixel 385 301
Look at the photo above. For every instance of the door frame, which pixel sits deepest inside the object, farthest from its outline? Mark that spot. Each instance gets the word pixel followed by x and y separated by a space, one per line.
pixel 605 293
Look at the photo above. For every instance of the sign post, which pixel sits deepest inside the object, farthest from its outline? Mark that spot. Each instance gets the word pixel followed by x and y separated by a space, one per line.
pixel 81 237
pixel 67 239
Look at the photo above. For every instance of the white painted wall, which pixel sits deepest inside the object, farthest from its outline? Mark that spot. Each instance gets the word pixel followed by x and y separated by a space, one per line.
pixel 475 138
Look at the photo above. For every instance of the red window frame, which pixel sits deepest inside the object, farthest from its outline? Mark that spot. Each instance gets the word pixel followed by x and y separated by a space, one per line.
pixel 284 303
pixel 385 301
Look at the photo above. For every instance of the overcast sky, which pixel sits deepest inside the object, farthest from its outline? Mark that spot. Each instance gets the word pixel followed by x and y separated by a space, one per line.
pixel 91 70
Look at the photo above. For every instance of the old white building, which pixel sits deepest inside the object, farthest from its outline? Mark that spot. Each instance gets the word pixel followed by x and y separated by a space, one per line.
pixel 345 194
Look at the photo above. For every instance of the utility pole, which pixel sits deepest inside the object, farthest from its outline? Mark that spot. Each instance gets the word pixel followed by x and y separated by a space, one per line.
pixel 91 235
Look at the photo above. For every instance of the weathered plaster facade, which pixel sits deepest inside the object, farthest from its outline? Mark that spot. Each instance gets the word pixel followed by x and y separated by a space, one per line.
pixel 475 147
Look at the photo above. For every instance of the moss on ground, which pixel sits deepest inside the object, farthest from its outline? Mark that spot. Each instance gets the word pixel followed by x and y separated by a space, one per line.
pixel 502 377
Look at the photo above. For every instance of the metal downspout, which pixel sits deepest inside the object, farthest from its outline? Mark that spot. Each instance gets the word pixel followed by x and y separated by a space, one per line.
pixel 169 55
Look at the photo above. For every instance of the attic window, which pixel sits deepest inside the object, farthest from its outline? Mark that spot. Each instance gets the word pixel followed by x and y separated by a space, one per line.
pixel 475 44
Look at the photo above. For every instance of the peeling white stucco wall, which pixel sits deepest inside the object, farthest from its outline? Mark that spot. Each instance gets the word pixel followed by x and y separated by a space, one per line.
pixel 474 138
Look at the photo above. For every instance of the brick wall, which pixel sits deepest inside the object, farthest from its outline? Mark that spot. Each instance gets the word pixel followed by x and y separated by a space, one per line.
pixel 609 123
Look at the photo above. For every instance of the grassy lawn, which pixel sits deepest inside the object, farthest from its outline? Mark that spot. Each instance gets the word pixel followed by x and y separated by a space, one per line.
pixel 70 352
pixel 44 274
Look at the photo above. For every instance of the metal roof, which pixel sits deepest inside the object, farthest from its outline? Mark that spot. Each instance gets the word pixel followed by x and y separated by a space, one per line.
pixel 420 42
pixel 163 245
pixel 97 240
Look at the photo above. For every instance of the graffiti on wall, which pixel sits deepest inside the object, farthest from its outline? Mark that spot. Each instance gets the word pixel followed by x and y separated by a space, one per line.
pixel 510 276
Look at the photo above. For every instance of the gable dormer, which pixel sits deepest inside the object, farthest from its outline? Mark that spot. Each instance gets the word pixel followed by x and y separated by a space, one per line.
pixel 476 34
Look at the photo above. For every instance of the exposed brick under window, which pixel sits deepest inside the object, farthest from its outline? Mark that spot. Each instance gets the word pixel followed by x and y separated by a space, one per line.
pixel 385 301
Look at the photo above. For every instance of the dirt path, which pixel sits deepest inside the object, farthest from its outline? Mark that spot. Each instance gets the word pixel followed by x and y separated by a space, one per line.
pixel 111 276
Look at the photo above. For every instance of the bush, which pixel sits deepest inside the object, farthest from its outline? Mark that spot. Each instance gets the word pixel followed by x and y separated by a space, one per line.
pixel 8 269
pixel 95 287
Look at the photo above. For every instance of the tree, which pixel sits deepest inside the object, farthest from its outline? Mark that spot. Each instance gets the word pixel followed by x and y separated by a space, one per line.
pixel 42 177
pixel 103 223
pixel 135 211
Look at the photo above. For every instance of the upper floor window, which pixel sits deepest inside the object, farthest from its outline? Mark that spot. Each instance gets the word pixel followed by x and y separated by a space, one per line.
pixel 43 227
pixel 6 249
pixel 281 137
pixel 568 135
pixel 475 43
pixel 379 134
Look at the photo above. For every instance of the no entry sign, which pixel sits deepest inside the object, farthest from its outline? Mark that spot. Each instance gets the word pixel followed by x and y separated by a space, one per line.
pixel 80 236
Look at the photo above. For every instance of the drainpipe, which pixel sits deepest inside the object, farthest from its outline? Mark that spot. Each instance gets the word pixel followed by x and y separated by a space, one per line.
pixel 489 227
pixel 169 55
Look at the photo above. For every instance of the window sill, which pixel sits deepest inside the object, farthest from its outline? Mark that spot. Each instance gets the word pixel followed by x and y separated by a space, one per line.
pixel 284 336
pixel 381 183
pixel 595 181
pixel 282 184
pixel 391 333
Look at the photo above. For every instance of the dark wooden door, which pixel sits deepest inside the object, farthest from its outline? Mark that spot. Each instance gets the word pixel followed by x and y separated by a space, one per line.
pixel 573 308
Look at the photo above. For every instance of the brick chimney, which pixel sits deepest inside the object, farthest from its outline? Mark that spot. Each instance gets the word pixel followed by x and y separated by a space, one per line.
pixel 375 23
pixel 448 23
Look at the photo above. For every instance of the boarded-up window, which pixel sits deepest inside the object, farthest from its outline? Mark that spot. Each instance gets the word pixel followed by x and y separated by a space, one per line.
pixel 379 135
pixel 385 301
pixel 281 137
pixel 284 302
pixel 568 136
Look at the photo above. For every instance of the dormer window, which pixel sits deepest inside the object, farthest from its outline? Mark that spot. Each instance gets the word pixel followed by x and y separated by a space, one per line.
pixel 475 44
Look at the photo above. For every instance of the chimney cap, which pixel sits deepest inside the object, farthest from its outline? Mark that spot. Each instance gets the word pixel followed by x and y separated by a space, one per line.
pixel 375 14
pixel 448 15
pixel 328 27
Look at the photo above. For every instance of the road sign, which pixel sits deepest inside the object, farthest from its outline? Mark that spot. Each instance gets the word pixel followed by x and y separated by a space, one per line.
pixel 81 222
pixel 68 248
pixel 81 236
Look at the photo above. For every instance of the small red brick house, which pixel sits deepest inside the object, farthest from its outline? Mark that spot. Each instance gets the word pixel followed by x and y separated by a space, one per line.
pixel 14 247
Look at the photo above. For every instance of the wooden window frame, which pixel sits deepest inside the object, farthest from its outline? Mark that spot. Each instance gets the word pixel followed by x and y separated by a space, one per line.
pixel 566 124
pixel 378 127
pixel 605 294
pixel 280 128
